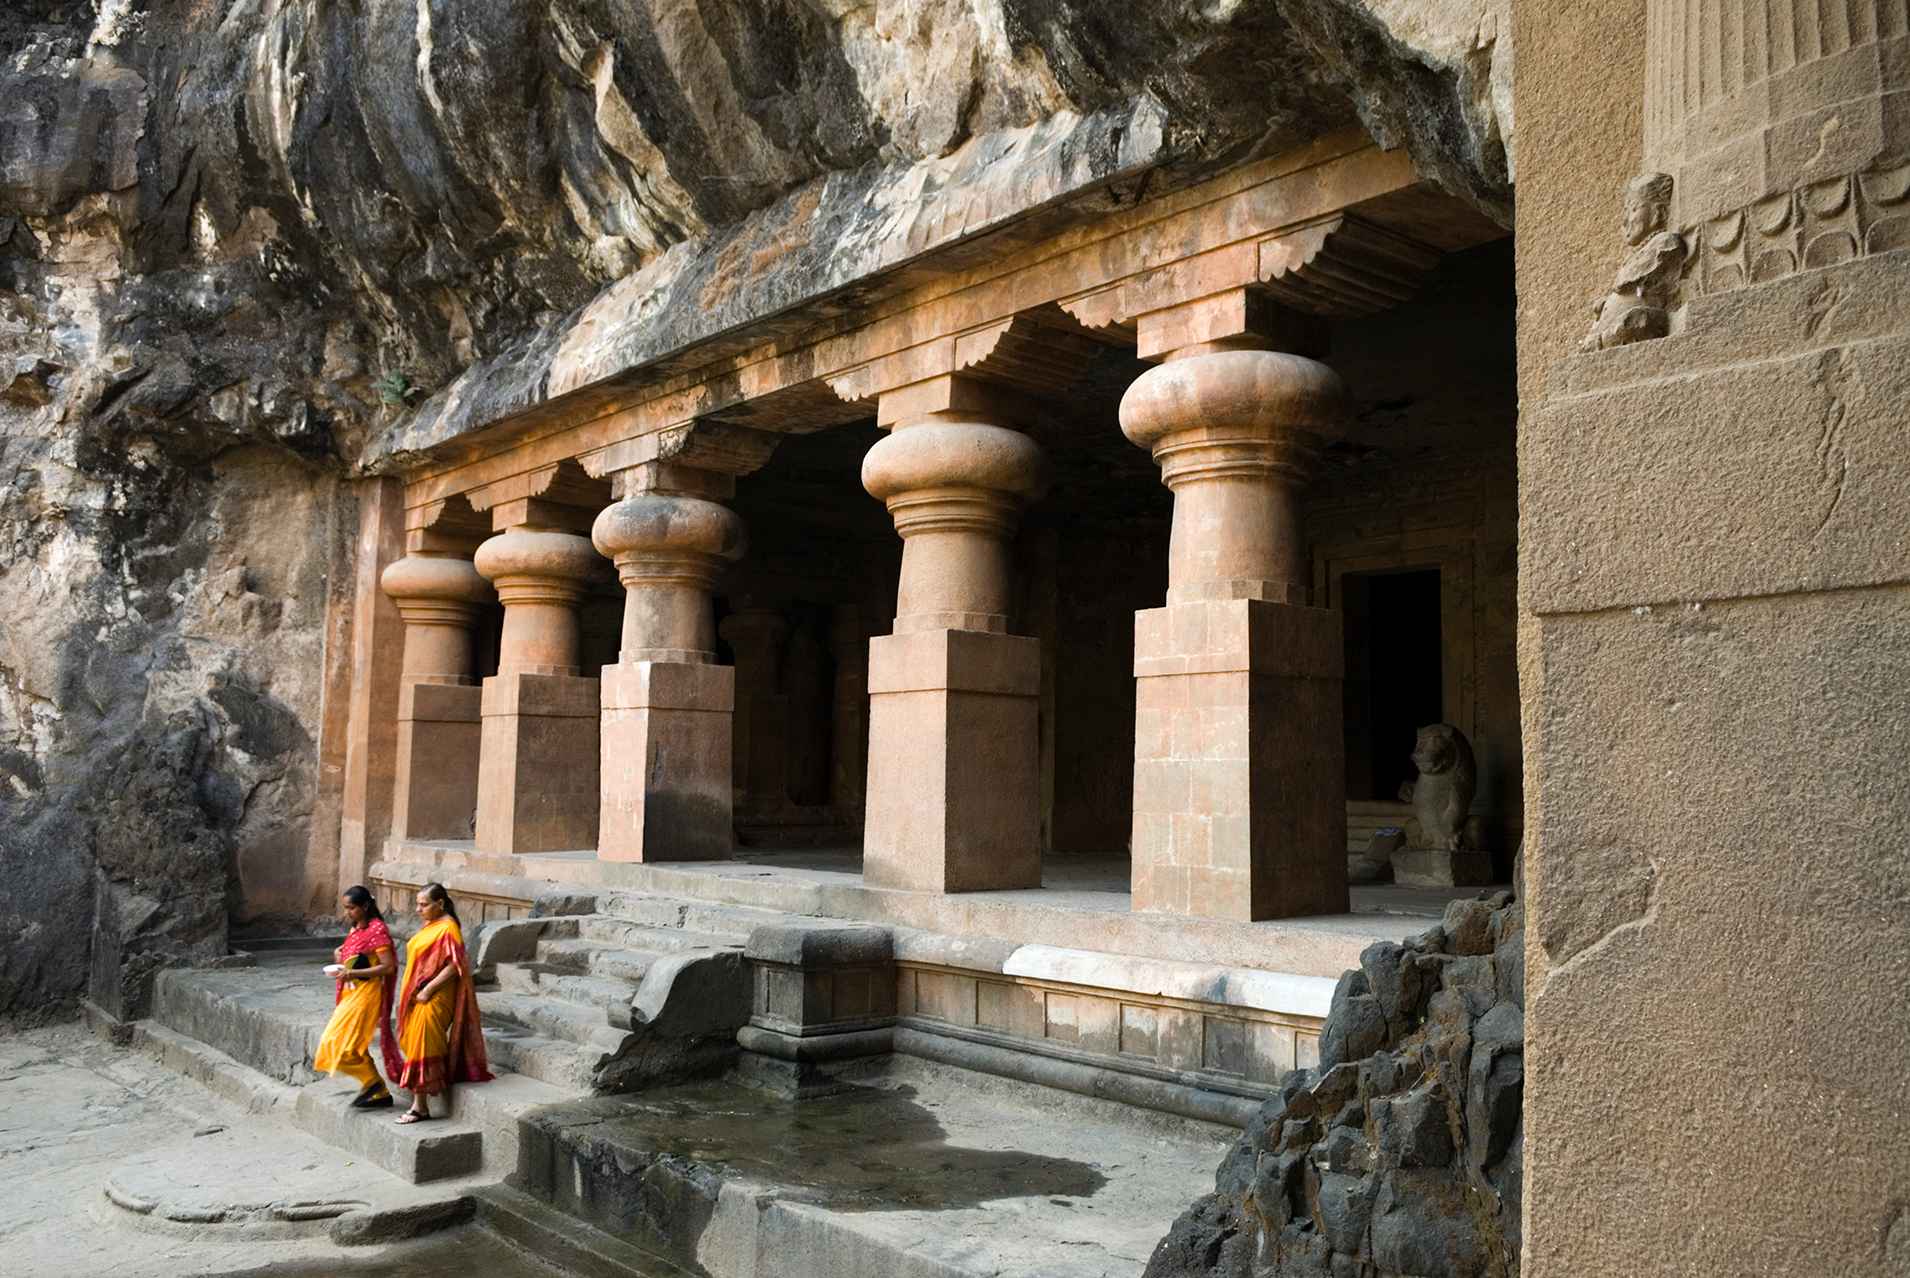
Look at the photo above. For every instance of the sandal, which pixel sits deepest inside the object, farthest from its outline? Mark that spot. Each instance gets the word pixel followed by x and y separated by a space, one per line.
pixel 369 1093
pixel 381 1101
pixel 412 1116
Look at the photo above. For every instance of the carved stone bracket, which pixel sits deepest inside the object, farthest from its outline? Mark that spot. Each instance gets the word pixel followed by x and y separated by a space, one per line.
pixel 1336 267
pixel 448 526
pixel 561 495
pixel 697 459
pixel 1035 353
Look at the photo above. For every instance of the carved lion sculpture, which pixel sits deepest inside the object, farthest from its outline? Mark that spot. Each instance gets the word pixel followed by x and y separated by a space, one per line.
pixel 1443 792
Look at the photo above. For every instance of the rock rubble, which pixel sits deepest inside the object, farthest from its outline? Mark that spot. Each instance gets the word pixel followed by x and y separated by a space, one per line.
pixel 1400 1155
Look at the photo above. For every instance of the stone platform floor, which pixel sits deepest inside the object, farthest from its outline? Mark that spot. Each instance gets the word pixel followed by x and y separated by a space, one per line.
pixel 1084 903
pixel 920 1170
pixel 76 1113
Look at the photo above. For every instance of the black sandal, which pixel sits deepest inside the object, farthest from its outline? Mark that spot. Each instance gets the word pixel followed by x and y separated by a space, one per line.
pixel 380 1101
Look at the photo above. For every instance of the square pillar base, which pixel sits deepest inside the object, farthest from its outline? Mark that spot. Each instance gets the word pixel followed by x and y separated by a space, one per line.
pixel 666 762
pixel 439 735
pixel 1239 762
pixel 954 797
pixel 537 777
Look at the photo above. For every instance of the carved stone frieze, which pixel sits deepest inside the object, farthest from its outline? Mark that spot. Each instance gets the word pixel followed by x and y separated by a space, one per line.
pixel 1819 224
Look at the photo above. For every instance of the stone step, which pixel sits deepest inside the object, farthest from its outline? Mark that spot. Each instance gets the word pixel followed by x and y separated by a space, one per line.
pixel 591 957
pixel 495 1108
pixel 554 1018
pixel 615 933
pixel 610 997
pixel 560 1065
pixel 267 1018
pixel 735 921
pixel 563 1241
pixel 212 1069
pixel 263 1179
pixel 441 1149
pixel 1365 817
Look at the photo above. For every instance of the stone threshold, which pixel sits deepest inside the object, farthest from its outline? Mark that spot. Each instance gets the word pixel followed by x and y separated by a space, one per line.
pixel 1083 907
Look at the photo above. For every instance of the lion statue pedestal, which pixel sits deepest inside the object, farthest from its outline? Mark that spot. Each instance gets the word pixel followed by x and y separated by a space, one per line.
pixel 1441 851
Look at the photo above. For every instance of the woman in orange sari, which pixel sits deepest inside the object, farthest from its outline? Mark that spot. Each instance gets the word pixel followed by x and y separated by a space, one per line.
pixel 438 1028
pixel 366 962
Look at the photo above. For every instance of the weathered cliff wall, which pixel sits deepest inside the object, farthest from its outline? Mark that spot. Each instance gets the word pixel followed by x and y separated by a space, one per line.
pixel 236 239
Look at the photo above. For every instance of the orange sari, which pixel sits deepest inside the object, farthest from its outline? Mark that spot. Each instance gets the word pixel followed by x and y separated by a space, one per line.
pixel 441 1039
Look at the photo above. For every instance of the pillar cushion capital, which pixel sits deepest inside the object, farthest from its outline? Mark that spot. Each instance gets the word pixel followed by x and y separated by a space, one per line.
pixel 443 577
pixel 666 524
pixel 538 552
pixel 942 453
pixel 1241 395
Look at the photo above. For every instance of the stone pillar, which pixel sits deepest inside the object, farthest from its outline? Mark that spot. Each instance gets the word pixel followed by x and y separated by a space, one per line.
pixel 1239 774
pixel 537 787
pixel 954 798
pixel 849 710
pixel 666 703
pixel 760 751
pixel 439 703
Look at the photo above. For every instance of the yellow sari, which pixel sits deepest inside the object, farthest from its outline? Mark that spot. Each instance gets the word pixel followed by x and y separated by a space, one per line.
pixel 362 1008
pixel 441 1038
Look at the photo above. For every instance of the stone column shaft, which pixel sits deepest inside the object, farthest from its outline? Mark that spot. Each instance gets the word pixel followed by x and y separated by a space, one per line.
pixel 439 704
pixel 1239 781
pixel 954 798
pixel 538 782
pixel 666 705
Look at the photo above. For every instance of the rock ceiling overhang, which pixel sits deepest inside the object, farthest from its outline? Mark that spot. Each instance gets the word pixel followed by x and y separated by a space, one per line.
pixel 807 312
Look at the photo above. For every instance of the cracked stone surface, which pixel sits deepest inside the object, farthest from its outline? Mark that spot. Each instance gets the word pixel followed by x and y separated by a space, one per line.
pixel 75 1111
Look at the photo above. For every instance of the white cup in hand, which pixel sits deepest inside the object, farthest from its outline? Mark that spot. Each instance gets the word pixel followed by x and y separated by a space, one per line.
pixel 334 970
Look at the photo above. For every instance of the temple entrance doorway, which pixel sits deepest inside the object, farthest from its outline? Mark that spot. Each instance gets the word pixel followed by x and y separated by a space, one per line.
pixel 1394 675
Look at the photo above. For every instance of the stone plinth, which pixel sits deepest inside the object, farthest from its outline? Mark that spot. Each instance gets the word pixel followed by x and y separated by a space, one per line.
pixel 537 780
pixel 666 762
pixel 666 786
pixel 819 995
pixel 436 783
pixel 954 801
pixel 537 791
pixel 1239 787
pixel 440 740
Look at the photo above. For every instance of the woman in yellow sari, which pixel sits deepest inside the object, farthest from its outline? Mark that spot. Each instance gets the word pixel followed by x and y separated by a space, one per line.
pixel 438 1028
pixel 366 962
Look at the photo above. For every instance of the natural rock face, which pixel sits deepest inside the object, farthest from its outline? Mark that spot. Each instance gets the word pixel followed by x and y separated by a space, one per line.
pixel 1401 1154
pixel 238 241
